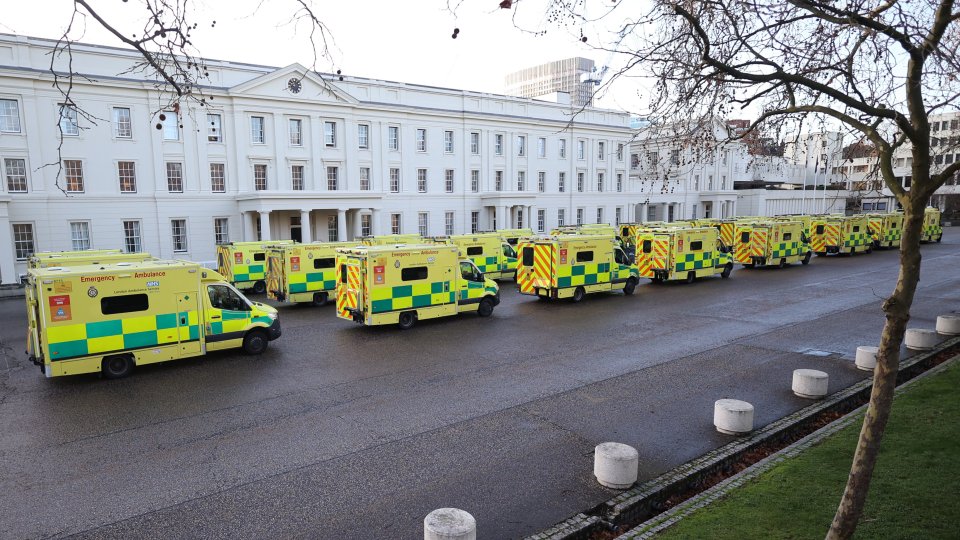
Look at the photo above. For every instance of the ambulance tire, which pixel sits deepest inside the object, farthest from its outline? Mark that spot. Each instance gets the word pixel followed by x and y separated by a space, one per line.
pixel 485 309
pixel 259 287
pixel 782 263
pixel 407 319
pixel 578 294
pixel 939 238
pixel 630 286
pixel 691 277
pixel 806 259
pixel 869 250
pixel 255 342
pixel 727 271
pixel 320 299
pixel 117 366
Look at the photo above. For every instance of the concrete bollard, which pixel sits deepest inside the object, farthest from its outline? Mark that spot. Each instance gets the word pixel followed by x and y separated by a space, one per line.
pixel 615 465
pixel 866 357
pixel 449 524
pixel 733 417
pixel 920 339
pixel 948 325
pixel 810 383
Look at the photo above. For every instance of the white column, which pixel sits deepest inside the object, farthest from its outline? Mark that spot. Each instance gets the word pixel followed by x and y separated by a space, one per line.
pixel 357 224
pixel 341 225
pixel 498 217
pixel 375 221
pixel 264 225
pixel 306 227
pixel 8 271
pixel 531 219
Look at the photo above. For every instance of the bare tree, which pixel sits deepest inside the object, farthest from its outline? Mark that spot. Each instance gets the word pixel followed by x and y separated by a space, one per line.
pixel 878 68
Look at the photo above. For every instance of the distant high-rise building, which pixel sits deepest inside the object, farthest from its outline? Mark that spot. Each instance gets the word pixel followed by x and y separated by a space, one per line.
pixel 552 77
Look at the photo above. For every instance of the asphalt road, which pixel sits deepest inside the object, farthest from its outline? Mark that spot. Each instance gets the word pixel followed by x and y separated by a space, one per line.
pixel 342 431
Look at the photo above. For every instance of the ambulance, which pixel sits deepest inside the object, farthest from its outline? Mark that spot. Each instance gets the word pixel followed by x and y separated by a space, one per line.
pixel 674 254
pixel 572 266
pixel 932 230
pixel 109 318
pixel 726 227
pixel 512 236
pixel 387 239
pixel 805 219
pixel 402 284
pixel 886 229
pixel 587 228
pixel 244 264
pixel 840 235
pixel 768 243
pixel 45 259
pixel 489 251
pixel 303 273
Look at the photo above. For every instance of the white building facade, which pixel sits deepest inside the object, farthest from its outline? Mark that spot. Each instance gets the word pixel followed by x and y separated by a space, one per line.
pixel 282 153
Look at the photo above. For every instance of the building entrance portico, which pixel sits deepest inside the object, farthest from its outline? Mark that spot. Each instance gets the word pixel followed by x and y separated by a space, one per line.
pixel 309 219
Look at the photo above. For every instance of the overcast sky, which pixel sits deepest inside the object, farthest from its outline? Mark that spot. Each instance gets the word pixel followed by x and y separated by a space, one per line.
pixel 407 41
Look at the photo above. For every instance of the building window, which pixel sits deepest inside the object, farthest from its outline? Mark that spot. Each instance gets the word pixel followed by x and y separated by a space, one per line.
pixel 421 140
pixel 475 180
pixel 23 240
pixel 68 120
pixel 562 148
pixel 521 180
pixel 333 178
pixel 422 180
pixel 330 134
pixel 221 230
pixel 127 174
pixel 723 181
pixel 474 221
pixel 599 215
pixel 296 177
pixel 363 136
pixel 475 143
pixel 9 116
pixel 260 177
pixel 541 147
pixel 175 177
pixel 171 125
pixel 618 215
pixel 634 161
pixel 580 178
pixel 218 179
pixel 696 182
pixel 601 150
pixel 79 235
pixel 296 132
pixel 258 225
pixel 178 230
pixel 581 149
pixel 448 142
pixel 364 178
pixel 620 152
pixel 257 130
pixel 448 180
pixel 579 216
pixel 600 179
pixel 498 181
pixel 393 138
pixel 423 223
pixel 541 220
pixel 122 124
pixel 214 128
pixel 619 182
pixel 560 217
pixel 16 171
pixel 562 182
pixel 333 229
pixel 73 170
pixel 675 156
pixel 131 237
pixel 365 228
pixel 498 144
pixel 541 181
pixel 448 223
pixel 394 223
pixel 394 180
pixel 710 182
pixel 521 145
pixel 519 218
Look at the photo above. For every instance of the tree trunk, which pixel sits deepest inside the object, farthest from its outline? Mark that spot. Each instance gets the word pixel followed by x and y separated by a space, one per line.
pixel 897 309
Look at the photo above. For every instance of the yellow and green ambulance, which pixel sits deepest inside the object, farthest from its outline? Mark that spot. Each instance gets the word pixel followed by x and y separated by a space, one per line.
pixel 303 273
pixel 768 243
pixel 244 264
pixel 886 229
pixel 46 259
pixel 932 230
pixel 841 235
pixel 572 266
pixel 675 254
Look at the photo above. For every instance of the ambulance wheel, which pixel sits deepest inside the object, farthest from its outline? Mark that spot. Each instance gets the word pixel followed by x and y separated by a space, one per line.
pixel 259 287
pixel 691 277
pixel 320 299
pixel 117 367
pixel 821 253
pixel 783 263
pixel 630 286
pixel 486 308
pixel 806 259
pixel 255 342
pixel 726 271
pixel 939 238
pixel 869 249
pixel 578 294
pixel 407 319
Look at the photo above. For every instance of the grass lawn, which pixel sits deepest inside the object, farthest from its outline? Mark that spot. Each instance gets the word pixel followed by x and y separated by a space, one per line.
pixel 915 491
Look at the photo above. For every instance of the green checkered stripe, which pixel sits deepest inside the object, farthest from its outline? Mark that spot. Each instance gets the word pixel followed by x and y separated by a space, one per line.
pixel 786 249
pixel 476 290
pixel 932 230
pixel 248 272
pixel 217 327
pixel 487 264
pixel 697 261
pixel 315 281
pixel 861 239
pixel 109 336
pixel 893 234
pixel 589 277
pixel 414 296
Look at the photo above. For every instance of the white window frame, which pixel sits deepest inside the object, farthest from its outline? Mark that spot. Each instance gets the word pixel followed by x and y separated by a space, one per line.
pixel 132 243
pixel 581 149
pixel 122 127
pixel 498 180
pixel 521 180
pixel 448 142
pixel 475 180
pixel 423 223
pixel 266 177
pixel 366 225
pixel 214 127
pixel 601 150
pixel 561 216
pixel 10 116
pixel 295 131
pixel 580 213
pixel 394 180
pixel 541 220
pixel 498 144
pixel 222 177
pixel 298 173
pixel 562 148
pixel 333 228
pixel 474 221
pixel 20 249
pixel 581 180
pixel 131 178
pixel 422 180
pixel 171 126
pixel 619 182
pixel 396 223
pixel 66 175
pixel 542 181
pixel 393 138
pixel 221 230
pixel 69 120
pixel 448 180
pixel 521 145
pixel 475 143
pixel 542 147
pixel 333 178
pixel 185 237
pixel 561 182
pixel 601 180
pixel 330 134
pixel 15 171
pixel 421 140
pixel 80 235
pixel 449 217
pixel 365 179
pixel 258 130
pixel 174 171
pixel 363 136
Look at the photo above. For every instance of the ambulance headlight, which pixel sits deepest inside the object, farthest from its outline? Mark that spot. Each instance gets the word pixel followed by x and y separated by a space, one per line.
pixel 272 315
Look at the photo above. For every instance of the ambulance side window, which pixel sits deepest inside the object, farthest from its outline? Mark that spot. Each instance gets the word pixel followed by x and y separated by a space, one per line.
pixel 819 229
pixel 468 271
pixel 474 250
pixel 745 237
pixel 528 256
pixel 647 246
pixel 856 228
pixel 584 256
pixel 225 298
pixel 893 225
pixel 509 251
pixel 259 256
pixel 127 303
pixel 413 273
pixel 619 257
pixel 696 246
pixel 327 262
pixel 787 236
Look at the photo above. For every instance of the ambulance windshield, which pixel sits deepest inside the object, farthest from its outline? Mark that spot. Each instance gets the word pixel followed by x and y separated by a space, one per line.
pixel 508 251
pixel 223 297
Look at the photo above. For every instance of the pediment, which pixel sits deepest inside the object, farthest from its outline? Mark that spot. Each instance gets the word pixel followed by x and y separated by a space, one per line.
pixel 294 82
